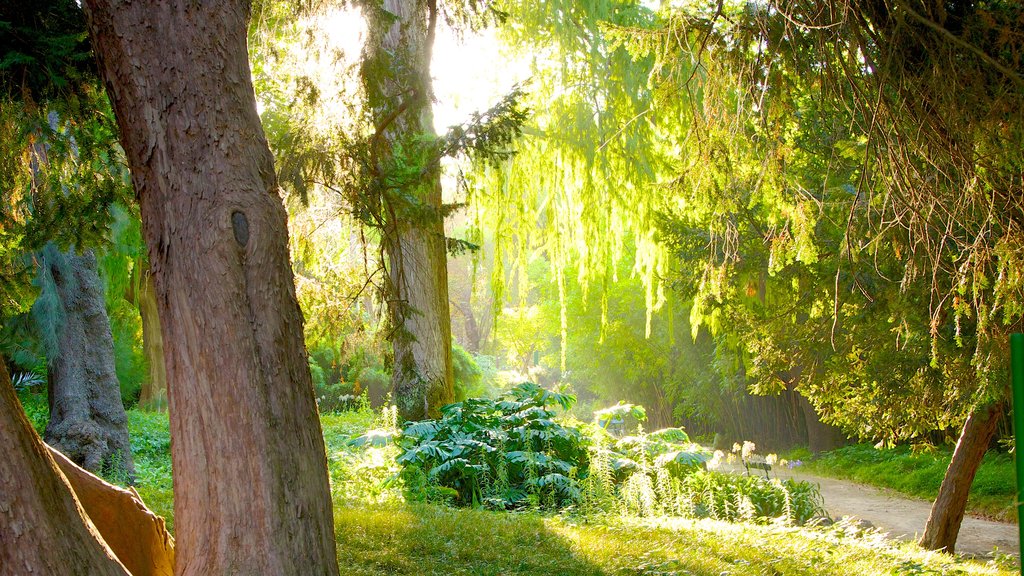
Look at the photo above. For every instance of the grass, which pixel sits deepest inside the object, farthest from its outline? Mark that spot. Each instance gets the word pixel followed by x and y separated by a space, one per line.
pixel 434 540
pixel 379 534
pixel 919 474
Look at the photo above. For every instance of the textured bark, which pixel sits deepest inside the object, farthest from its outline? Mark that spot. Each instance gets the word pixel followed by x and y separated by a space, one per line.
pixel 397 78
pixel 250 470
pixel 136 535
pixel 43 529
pixel 947 513
pixel 154 391
pixel 87 419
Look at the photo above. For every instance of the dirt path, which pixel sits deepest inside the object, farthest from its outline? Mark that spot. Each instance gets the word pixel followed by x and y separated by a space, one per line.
pixel 904 517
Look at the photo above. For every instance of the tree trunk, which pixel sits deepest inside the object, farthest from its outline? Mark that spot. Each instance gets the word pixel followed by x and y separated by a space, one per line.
pixel 43 529
pixel 154 391
pixel 948 509
pixel 821 437
pixel 87 418
pixel 136 535
pixel 250 470
pixel 397 78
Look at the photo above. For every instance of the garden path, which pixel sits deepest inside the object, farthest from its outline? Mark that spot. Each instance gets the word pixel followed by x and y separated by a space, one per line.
pixel 903 517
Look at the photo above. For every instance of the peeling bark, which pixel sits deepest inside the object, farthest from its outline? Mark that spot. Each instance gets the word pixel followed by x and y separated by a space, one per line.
pixel 136 535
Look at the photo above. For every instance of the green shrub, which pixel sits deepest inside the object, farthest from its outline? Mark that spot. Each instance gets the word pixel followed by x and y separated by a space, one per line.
pixel 731 497
pixel 36 406
pixel 337 397
pixel 130 361
pixel 467 375
pixel 374 382
pixel 506 453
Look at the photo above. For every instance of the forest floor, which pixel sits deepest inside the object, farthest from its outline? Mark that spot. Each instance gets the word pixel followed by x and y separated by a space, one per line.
pixel 902 517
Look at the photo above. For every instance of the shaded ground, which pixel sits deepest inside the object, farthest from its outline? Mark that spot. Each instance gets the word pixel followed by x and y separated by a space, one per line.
pixel 904 518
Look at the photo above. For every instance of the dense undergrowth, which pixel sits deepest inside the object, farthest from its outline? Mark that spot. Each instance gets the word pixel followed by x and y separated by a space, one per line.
pixel 380 532
pixel 919 473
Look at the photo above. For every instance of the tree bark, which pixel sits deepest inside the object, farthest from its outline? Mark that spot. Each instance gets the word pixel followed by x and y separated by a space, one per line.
pixel 43 529
pixel 943 526
pixel 87 418
pixel 250 471
pixel 396 74
pixel 136 535
pixel 154 391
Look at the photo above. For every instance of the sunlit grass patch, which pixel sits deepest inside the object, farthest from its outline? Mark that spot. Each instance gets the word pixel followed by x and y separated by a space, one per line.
pixel 428 539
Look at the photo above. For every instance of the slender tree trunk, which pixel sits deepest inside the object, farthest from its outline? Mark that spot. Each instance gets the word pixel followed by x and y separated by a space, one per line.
pixel 397 77
pixel 87 418
pixel 43 529
pixel 948 509
pixel 154 391
pixel 250 470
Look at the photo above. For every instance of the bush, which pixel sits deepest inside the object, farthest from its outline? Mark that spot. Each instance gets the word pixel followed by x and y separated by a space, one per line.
pixel 506 453
pixel 746 498
pixel 467 374
pixel 337 397
pixel 375 383
pixel 36 406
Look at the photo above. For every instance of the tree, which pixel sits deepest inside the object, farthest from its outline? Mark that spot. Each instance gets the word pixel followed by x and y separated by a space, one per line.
pixel 396 74
pixel 87 419
pixel 251 490
pixel 143 294
pixel 934 209
pixel 60 180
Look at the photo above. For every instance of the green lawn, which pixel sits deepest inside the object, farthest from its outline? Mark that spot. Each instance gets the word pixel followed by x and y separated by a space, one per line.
pixel 434 540
pixel 378 533
pixel 919 474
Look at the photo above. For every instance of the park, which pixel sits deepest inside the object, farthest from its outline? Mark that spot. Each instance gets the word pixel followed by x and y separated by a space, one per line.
pixel 511 287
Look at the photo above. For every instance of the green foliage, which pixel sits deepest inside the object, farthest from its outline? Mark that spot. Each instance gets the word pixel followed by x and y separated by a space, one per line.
pixel 130 362
pixel 505 453
pixel 469 378
pixel 44 49
pixel 347 369
pixel 919 473
pixel 616 415
pixel 378 532
pixel 36 406
pixel 360 457
pixel 737 498
pixel 151 451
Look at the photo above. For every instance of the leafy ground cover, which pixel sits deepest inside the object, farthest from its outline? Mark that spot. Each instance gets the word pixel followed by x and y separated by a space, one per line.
pixel 919 474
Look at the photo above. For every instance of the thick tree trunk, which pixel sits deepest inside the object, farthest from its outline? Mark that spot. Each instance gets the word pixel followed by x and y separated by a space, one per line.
pixel 87 418
pixel 43 529
pixel 397 78
pixel 948 509
pixel 250 470
pixel 154 391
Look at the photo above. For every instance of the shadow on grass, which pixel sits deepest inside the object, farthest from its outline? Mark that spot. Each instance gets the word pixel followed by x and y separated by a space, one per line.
pixel 431 540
